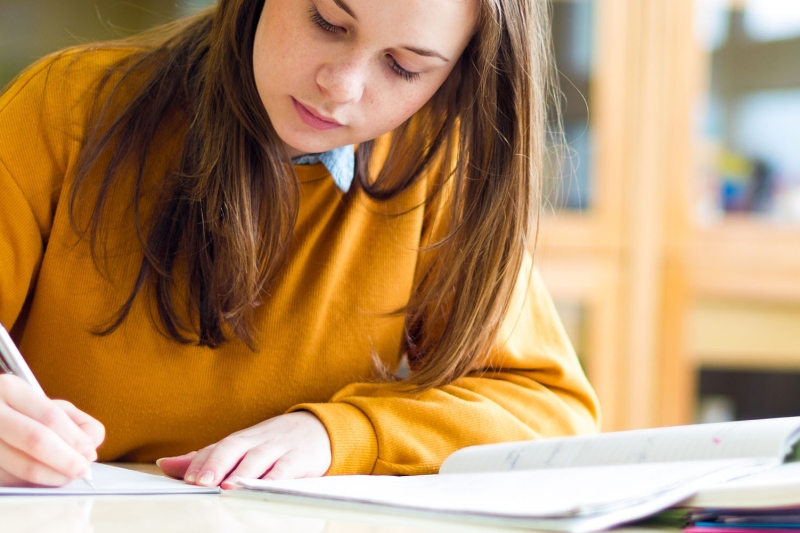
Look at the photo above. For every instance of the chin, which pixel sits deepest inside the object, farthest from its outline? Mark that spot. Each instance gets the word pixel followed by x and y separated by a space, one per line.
pixel 304 145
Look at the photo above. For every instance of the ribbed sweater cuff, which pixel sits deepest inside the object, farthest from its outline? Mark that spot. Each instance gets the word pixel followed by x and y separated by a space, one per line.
pixel 354 445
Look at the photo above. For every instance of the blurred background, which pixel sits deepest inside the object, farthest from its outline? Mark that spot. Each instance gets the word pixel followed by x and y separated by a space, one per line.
pixel 671 242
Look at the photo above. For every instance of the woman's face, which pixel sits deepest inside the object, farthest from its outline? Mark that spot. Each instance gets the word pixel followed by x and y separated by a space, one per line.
pixel 339 72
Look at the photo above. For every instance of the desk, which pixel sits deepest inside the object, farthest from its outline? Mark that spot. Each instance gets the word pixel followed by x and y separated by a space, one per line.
pixel 202 513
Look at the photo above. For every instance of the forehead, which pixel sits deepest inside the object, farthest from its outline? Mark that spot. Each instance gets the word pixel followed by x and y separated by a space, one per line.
pixel 443 24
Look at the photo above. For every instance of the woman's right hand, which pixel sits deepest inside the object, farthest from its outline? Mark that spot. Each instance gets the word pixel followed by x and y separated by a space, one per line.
pixel 43 441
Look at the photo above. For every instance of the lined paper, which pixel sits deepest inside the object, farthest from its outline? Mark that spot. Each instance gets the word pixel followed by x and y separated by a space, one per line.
pixel 771 438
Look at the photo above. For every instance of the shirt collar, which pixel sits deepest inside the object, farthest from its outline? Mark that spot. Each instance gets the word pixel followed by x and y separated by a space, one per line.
pixel 340 162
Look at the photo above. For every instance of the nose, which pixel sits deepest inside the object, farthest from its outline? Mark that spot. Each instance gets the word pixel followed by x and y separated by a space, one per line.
pixel 342 80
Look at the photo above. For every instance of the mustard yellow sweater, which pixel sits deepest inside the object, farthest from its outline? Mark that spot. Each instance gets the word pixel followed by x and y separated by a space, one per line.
pixel 317 330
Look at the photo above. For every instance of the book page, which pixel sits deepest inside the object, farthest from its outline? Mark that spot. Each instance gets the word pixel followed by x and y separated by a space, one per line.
pixel 109 479
pixel 771 438
pixel 565 493
pixel 777 487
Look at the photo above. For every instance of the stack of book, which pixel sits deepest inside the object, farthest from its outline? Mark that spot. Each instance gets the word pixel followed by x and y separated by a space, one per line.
pixel 763 502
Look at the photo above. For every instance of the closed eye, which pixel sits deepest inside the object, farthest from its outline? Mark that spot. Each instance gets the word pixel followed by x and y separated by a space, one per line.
pixel 318 20
pixel 400 71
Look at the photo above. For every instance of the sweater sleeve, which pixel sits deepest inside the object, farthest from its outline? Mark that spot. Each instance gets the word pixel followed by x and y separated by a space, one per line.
pixel 43 115
pixel 34 154
pixel 532 386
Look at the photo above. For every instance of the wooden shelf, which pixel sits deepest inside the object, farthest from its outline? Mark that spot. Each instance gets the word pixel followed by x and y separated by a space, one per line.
pixel 576 231
pixel 744 257
pixel 744 335
pixel 664 295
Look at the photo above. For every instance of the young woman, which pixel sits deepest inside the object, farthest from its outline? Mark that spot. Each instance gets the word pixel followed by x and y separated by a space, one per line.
pixel 203 290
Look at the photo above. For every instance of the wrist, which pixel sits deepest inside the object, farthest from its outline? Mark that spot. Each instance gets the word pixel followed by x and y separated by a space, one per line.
pixel 354 444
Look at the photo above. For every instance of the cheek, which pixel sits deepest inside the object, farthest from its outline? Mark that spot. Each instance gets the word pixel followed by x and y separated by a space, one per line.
pixel 275 53
pixel 392 108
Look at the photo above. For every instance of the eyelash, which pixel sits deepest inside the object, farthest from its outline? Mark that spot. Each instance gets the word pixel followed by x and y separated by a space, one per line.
pixel 324 25
pixel 407 75
pixel 317 19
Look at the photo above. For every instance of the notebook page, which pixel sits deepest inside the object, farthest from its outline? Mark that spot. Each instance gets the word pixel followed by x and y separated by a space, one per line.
pixel 776 487
pixel 523 494
pixel 728 440
pixel 109 479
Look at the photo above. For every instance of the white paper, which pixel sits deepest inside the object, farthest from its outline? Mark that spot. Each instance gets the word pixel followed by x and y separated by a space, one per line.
pixel 109 479
pixel 579 499
pixel 728 440
pixel 777 487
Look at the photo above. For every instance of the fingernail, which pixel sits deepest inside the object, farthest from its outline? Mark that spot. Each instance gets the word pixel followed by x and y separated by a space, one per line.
pixel 229 483
pixel 158 462
pixel 191 476
pixel 206 478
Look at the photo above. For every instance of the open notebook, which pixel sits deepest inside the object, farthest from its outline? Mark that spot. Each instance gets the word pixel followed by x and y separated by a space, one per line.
pixel 578 484
pixel 115 480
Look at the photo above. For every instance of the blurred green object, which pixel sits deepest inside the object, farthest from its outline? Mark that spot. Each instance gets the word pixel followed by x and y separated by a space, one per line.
pixel 31 29
pixel 672 518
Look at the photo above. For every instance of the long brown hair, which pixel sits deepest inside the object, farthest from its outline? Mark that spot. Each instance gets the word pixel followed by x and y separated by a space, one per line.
pixel 229 208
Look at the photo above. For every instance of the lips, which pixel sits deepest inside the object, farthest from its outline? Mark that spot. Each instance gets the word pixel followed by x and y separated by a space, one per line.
pixel 311 118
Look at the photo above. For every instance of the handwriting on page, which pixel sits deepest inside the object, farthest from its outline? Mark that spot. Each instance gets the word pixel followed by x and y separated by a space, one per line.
pixel 759 438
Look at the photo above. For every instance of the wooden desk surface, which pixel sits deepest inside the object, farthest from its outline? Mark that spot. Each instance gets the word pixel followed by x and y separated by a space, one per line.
pixel 209 513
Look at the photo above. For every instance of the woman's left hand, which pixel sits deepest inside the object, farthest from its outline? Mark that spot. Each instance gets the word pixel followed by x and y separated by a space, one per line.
pixel 289 446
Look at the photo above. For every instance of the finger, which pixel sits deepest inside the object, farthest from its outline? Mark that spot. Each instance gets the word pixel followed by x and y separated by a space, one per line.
pixel 88 424
pixel 176 467
pixel 40 443
pixel 22 398
pixel 222 458
pixel 7 480
pixel 197 462
pixel 293 465
pixel 19 469
pixel 254 464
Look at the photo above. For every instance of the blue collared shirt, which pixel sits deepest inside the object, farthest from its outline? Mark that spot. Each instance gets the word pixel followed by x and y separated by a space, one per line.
pixel 340 162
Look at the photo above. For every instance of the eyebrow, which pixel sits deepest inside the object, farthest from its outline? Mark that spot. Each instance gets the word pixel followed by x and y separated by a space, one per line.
pixel 419 51
pixel 344 7
pixel 426 53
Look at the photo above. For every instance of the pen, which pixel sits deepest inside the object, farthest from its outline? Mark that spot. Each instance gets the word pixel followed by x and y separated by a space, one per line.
pixel 11 362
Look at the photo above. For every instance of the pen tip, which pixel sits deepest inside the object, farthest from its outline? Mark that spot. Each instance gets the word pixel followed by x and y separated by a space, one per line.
pixel 88 478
